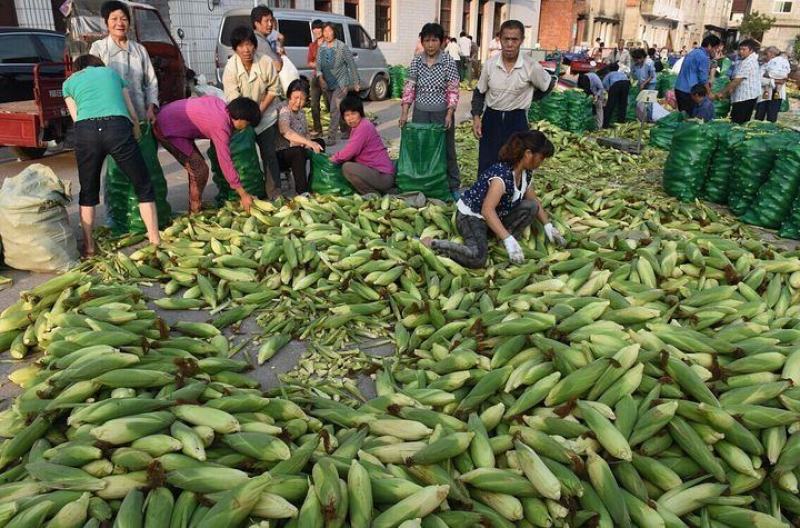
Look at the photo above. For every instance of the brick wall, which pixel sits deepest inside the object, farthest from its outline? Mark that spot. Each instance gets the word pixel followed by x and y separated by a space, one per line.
pixel 555 24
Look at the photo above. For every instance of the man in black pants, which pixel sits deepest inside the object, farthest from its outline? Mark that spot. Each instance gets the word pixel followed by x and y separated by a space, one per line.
pixel 617 86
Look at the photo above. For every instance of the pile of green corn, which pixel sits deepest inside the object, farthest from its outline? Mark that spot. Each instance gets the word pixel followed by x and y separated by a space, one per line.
pixel 578 158
pixel 643 376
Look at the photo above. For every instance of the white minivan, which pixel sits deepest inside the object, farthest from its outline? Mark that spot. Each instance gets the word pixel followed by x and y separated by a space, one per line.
pixel 295 25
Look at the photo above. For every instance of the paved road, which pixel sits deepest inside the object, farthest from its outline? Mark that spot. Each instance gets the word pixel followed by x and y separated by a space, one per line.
pixel 63 163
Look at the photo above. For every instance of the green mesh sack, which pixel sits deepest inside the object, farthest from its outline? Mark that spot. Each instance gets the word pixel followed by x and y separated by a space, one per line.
pixel 722 163
pixel 661 133
pixel 122 204
pixel 790 228
pixel 245 160
pixel 754 159
pixel 422 164
pixel 775 197
pixel 554 109
pixel 784 105
pixel 687 163
pixel 665 81
pixel 327 177
pixel 578 116
pixel 721 106
pixel 633 93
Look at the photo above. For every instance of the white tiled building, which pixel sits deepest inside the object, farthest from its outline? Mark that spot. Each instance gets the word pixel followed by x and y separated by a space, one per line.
pixel 394 23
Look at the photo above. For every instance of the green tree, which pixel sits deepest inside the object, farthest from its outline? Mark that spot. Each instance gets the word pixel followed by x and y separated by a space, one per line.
pixel 755 24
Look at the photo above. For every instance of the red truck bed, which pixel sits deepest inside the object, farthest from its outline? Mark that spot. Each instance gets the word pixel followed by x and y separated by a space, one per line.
pixel 23 123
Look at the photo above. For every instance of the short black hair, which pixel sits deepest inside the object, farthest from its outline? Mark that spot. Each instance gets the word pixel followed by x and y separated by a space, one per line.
pixel 113 5
pixel 317 24
pixel 244 108
pixel 86 61
pixel 613 67
pixel 513 24
pixel 243 34
pixel 259 12
pixel 297 85
pixel 463 34
pixel 651 51
pixel 432 29
pixel 330 25
pixel 699 89
pixel 352 103
pixel 750 43
pixel 710 41
pixel 638 53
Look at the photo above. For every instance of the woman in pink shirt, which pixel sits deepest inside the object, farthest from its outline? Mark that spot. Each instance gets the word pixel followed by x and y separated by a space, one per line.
pixel 365 162
pixel 180 123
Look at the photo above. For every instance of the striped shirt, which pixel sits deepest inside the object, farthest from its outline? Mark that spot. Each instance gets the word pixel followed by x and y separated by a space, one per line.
pixel 337 65
pixel 432 88
pixel 750 87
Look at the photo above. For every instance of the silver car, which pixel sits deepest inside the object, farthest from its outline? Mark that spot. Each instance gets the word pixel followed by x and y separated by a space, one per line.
pixel 295 25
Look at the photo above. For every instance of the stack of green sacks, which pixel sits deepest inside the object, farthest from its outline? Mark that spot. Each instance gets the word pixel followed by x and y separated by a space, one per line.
pixel 535 112
pixel 554 110
pixel 687 164
pixel 579 116
pixel 718 179
pixel 661 133
pixel 774 199
pixel 754 159
pixel 245 160
pixel 122 204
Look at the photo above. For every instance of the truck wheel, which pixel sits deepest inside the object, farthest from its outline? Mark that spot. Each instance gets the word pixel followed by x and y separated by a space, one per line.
pixel 28 153
pixel 380 89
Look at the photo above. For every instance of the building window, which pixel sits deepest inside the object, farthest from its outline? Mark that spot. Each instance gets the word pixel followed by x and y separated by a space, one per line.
pixel 782 7
pixel 322 5
pixel 383 20
pixel 351 8
pixel 444 15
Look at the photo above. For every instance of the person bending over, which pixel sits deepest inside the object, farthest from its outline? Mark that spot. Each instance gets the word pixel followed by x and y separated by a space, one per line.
pixel 106 124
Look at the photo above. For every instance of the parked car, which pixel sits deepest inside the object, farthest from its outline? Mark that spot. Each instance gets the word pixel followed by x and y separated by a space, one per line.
pixel 32 110
pixel 295 25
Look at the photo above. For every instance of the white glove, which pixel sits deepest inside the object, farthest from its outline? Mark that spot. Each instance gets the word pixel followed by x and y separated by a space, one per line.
pixel 553 235
pixel 514 250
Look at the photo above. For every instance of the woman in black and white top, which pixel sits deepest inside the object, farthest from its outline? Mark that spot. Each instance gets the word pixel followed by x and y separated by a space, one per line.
pixel 432 87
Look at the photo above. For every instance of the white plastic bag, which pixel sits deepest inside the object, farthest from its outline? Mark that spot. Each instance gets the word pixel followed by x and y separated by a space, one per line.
pixel 288 73
pixel 34 224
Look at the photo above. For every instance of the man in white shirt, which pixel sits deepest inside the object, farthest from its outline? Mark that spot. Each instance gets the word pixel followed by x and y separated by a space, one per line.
pixel 507 85
pixel 745 88
pixel 773 85
pixel 464 50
